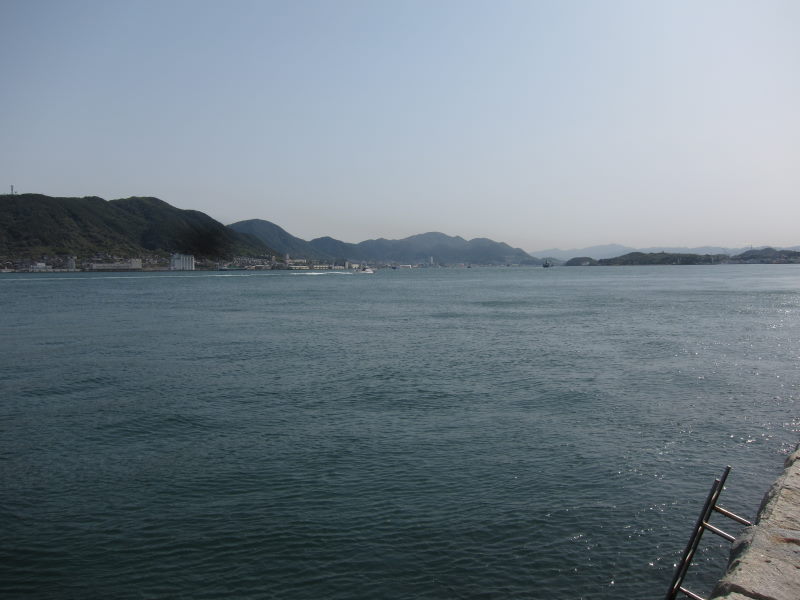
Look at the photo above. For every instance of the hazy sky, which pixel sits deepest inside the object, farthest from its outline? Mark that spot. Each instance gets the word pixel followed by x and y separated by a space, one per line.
pixel 540 123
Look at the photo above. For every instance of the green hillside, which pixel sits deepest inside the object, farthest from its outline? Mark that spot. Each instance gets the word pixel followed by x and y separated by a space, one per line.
pixel 444 249
pixel 664 258
pixel 33 225
pixel 276 237
pixel 768 255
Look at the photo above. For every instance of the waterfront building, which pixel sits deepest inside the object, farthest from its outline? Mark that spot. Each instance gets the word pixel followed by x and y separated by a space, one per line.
pixel 41 267
pixel 181 262
pixel 298 264
pixel 133 264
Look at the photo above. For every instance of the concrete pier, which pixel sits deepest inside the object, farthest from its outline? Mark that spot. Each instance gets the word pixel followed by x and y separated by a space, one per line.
pixel 765 559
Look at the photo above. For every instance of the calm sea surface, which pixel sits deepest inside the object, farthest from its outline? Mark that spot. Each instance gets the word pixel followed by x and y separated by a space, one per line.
pixel 428 434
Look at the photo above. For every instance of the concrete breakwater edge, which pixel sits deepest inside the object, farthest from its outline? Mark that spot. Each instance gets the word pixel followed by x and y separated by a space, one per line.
pixel 765 559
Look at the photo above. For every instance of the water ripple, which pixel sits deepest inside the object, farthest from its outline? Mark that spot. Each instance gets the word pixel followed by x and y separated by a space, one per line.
pixel 449 434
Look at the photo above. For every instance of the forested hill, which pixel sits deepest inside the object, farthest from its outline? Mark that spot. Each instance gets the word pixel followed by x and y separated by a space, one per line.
pixel 761 255
pixel 664 258
pixel 769 255
pixel 277 237
pixel 443 249
pixel 33 225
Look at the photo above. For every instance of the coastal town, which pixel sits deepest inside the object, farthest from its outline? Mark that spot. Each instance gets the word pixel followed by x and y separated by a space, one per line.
pixel 174 262
pixel 102 262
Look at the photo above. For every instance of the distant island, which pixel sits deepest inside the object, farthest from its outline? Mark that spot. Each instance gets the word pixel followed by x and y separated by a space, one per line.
pixel 617 250
pixel 43 233
pixel 760 256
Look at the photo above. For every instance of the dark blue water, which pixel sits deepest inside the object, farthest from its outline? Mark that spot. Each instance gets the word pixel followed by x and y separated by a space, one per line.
pixel 474 433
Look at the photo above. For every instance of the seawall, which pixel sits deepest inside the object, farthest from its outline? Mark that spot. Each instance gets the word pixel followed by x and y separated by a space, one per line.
pixel 765 559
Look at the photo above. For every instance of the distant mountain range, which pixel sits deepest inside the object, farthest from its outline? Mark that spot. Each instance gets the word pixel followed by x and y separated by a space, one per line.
pixel 616 250
pixel 422 248
pixel 33 225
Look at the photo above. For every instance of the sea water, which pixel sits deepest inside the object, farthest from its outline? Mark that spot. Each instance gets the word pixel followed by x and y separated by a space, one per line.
pixel 427 433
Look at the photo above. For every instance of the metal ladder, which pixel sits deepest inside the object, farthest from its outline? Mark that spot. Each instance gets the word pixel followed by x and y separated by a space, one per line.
pixel 694 541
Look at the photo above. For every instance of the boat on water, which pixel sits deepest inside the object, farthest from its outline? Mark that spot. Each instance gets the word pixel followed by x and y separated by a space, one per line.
pixel 546 264
pixel 366 270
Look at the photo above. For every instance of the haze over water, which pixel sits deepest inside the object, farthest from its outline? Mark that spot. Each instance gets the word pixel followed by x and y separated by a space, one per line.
pixel 542 124
pixel 438 433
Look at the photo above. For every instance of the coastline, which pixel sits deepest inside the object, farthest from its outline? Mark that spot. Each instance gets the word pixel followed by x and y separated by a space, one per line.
pixel 765 559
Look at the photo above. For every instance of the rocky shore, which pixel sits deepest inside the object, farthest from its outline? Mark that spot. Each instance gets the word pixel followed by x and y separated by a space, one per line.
pixel 765 559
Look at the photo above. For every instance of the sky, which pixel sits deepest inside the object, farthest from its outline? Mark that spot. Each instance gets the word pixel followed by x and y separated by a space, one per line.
pixel 540 123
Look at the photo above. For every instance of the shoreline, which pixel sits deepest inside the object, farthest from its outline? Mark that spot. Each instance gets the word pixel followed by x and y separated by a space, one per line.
pixel 764 561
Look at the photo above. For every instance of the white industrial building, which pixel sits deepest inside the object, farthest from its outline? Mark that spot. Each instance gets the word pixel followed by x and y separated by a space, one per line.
pixel 181 262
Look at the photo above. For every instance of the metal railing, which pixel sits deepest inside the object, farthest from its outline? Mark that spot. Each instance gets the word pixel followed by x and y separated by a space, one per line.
pixel 700 526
